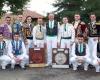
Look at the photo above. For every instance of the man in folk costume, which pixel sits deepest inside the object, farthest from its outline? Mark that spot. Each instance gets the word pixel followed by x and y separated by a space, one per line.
pixel 96 55
pixel 27 32
pixel 4 58
pixel 39 34
pixel 51 36
pixel 92 40
pixel 66 34
pixel 80 54
pixel 79 26
pixel 17 25
pixel 7 29
pixel 17 52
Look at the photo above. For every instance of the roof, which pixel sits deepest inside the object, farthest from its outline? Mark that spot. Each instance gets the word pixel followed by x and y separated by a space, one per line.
pixel 33 14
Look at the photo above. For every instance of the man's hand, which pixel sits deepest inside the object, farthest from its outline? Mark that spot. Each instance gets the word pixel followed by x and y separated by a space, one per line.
pixel 80 59
pixel 18 60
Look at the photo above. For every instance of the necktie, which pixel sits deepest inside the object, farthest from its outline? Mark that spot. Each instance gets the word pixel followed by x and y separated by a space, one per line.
pixel 80 48
pixel 65 27
pixel 0 45
pixel 50 24
pixel 16 45
pixel 40 28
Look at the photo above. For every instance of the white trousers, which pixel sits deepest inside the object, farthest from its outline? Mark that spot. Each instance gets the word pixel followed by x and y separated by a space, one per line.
pixel 24 59
pixel 4 61
pixel 66 43
pixel 30 45
pixel 51 43
pixel 40 43
pixel 97 66
pixel 75 63
pixel 91 44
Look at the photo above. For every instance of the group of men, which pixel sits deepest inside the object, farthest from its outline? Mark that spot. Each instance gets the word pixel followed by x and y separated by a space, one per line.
pixel 17 38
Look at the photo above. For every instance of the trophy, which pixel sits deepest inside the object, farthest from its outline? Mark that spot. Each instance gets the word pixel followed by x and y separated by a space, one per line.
pixel 60 58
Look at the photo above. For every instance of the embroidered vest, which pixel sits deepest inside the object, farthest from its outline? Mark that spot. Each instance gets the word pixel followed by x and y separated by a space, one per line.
pixel 6 32
pixel 80 28
pixel 27 31
pixel 17 51
pixel 77 51
pixel 92 29
pixel 52 31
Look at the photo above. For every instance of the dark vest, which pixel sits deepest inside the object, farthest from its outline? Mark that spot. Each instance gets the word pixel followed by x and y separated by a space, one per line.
pixel 52 31
pixel 78 53
pixel 80 28
pixel 17 51
pixel 98 49
pixel 3 48
pixel 16 28
pixel 92 29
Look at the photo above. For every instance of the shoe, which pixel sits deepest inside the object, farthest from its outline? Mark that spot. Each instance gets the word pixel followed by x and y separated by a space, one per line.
pixel 23 67
pixel 97 69
pixel 3 67
pixel 12 67
pixel 85 68
pixel 74 68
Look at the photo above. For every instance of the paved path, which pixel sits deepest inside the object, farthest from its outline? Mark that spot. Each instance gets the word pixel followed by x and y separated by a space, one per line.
pixel 48 74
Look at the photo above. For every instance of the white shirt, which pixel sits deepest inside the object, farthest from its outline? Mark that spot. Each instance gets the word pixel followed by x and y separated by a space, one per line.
pixel 51 24
pixel 37 29
pixel 10 28
pixel 10 50
pixel 70 32
pixel 73 51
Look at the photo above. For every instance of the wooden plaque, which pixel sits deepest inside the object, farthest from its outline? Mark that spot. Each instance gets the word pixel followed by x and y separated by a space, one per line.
pixel 36 57
pixel 60 58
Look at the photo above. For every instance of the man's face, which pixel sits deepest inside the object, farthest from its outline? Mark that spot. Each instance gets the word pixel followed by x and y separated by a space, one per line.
pixel 80 39
pixel 16 37
pixel 1 37
pixel 29 19
pixel 51 16
pixel 92 17
pixel 40 21
pixel 20 17
pixel 8 20
pixel 77 17
pixel 65 20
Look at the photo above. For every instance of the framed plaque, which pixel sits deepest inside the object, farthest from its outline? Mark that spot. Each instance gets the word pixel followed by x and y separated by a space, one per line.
pixel 60 58
pixel 36 57
pixel 94 31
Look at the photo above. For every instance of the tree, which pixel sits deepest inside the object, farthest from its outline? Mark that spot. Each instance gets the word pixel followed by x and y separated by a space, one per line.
pixel 70 7
pixel 15 5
